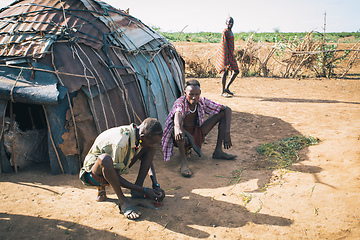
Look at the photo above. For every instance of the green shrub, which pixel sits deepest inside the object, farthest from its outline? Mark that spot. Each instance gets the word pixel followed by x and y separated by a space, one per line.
pixel 285 152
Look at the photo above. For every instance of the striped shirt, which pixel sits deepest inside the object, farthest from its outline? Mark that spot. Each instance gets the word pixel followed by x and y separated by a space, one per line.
pixel 205 106
pixel 225 58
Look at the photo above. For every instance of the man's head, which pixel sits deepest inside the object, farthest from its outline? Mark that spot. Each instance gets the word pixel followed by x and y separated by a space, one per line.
pixel 150 131
pixel 192 91
pixel 229 22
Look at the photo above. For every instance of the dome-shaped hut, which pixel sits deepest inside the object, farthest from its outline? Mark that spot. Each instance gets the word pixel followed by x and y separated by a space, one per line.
pixel 70 69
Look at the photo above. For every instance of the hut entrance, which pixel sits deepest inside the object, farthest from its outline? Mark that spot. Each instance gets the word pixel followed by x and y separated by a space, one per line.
pixel 25 136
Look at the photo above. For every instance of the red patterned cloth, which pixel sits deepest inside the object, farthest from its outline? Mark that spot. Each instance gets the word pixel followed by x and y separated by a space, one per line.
pixel 225 58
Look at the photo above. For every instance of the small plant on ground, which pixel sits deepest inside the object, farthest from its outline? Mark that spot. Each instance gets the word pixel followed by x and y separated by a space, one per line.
pixel 285 152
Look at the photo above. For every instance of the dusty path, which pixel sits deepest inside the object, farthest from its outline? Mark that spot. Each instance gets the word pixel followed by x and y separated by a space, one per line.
pixel 317 199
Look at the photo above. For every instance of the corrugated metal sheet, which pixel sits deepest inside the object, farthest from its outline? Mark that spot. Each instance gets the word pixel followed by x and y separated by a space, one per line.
pixel 20 85
pixel 159 88
pixel 30 27
pixel 126 30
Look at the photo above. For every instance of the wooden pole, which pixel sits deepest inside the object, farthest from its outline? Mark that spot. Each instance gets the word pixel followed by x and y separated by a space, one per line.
pixel 323 48
pixel 324 27
pixel 52 140
pixel 3 129
pixel 13 155
pixel 31 118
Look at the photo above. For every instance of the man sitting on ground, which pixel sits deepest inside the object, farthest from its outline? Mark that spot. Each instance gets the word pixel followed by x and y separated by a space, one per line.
pixel 114 152
pixel 185 126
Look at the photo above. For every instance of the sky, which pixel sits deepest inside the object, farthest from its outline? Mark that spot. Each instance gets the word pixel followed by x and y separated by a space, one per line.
pixel 249 15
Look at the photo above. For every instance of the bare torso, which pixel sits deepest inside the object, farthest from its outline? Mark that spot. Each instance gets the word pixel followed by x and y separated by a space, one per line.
pixel 190 120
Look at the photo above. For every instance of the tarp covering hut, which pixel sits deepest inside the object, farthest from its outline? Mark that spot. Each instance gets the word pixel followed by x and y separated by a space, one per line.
pixel 70 69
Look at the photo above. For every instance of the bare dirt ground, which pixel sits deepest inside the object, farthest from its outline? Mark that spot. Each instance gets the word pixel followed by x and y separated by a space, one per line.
pixel 317 198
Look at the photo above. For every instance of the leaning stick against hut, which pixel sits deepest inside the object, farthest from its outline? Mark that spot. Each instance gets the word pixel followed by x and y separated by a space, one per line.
pixel 52 140
pixel 13 154
pixel 2 131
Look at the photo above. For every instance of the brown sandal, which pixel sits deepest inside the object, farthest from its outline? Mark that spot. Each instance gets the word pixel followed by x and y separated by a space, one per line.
pixel 186 172
pixel 101 194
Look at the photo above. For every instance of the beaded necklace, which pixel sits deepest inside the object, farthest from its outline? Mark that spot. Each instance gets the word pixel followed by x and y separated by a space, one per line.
pixel 193 110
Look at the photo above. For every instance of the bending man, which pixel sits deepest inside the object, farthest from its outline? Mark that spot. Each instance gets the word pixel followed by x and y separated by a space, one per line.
pixel 114 152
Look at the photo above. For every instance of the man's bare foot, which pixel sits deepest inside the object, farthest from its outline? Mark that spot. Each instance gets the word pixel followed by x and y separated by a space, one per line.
pixel 188 153
pixel 129 211
pixel 223 155
pixel 185 171
pixel 101 194
pixel 228 91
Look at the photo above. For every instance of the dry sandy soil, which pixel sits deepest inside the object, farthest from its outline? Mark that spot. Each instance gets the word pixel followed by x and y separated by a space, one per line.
pixel 317 198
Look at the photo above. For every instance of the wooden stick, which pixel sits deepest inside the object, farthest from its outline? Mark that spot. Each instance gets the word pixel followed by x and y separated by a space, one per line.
pixel 300 65
pixel 44 70
pixel 31 118
pixel 3 123
pixel 181 33
pixel 12 115
pixel 2 130
pixel 52 140
pixel 351 60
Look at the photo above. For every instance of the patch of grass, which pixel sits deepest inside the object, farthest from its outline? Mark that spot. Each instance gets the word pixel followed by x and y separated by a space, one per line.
pixel 246 198
pixel 175 188
pixel 285 152
pixel 235 178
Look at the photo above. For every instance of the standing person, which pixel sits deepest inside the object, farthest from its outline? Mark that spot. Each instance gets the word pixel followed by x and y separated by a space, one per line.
pixel 114 152
pixel 225 59
pixel 186 127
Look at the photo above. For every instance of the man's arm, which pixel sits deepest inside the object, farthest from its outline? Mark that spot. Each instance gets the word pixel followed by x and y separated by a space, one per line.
pixel 227 112
pixel 178 132
pixel 227 137
pixel 152 175
pixel 155 184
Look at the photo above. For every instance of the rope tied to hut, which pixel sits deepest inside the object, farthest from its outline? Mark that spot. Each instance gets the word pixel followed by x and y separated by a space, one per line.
pixel 13 87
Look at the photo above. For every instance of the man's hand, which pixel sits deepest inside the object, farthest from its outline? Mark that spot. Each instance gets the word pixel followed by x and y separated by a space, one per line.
pixel 154 194
pixel 179 135
pixel 158 189
pixel 178 132
pixel 227 141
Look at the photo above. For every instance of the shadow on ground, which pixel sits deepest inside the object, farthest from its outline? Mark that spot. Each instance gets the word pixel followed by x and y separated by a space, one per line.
pixel 13 226
pixel 296 100
pixel 184 211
